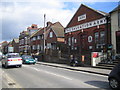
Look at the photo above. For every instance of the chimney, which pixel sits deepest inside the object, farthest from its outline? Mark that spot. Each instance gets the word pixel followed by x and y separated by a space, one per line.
pixel 49 23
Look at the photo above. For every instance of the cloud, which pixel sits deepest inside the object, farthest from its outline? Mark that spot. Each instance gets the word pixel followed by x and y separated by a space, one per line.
pixel 17 16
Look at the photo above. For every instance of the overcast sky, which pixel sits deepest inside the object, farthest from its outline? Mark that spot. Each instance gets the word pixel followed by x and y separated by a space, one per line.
pixel 17 15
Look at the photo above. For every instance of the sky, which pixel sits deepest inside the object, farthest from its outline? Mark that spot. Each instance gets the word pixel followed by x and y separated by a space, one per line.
pixel 17 15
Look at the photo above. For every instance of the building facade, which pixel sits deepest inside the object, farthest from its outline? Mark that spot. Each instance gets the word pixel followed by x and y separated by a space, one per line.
pixel 115 29
pixel 24 39
pixel 88 31
pixel 4 47
pixel 15 45
pixel 47 38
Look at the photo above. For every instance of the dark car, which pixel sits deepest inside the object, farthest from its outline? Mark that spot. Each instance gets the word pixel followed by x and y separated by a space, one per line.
pixel 28 59
pixel 114 77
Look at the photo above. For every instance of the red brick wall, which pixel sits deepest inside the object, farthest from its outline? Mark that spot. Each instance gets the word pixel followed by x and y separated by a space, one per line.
pixel 53 39
pixel 91 15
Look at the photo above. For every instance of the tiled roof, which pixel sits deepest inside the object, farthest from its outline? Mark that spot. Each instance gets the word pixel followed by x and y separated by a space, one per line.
pixel 31 28
pixel 16 40
pixel 40 31
pixel 57 28
pixel 34 24
pixel 100 12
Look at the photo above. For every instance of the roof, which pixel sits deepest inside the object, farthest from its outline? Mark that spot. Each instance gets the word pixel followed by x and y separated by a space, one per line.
pixel 40 31
pixel 115 9
pixel 4 42
pixel 100 12
pixel 74 20
pixel 16 40
pixel 57 28
pixel 33 26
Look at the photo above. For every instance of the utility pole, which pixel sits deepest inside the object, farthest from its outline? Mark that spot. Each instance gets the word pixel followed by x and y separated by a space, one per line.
pixel 44 46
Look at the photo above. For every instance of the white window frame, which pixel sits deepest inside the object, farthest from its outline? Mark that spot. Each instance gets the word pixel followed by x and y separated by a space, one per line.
pixel 51 34
pixel 38 47
pixel 38 37
pixel 75 40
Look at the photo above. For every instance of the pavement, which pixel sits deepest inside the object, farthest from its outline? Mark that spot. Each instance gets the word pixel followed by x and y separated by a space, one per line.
pixel 79 68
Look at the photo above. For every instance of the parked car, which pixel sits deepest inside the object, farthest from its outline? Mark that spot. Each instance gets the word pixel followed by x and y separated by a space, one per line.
pixel 116 57
pixel 114 77
pixel 11 59
pixel 28 59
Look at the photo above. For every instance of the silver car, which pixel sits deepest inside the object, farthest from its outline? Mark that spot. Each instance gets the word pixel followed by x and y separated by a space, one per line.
pixel 11 59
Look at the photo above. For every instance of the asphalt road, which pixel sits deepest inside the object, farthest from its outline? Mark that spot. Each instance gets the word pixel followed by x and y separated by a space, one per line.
pixel 42 76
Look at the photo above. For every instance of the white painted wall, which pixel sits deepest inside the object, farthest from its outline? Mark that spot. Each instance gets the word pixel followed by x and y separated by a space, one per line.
pixel 114 27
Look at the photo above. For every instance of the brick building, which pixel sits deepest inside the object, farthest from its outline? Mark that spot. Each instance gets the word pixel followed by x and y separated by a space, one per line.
pixel 4 46
pixel 24 39
pixel 88 31
pixel 54 34
pixel 15 45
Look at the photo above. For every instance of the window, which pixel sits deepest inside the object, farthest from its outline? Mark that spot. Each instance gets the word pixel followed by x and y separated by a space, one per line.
pixel 102 37
pixel 41 36
pixel 38 47
pixel 48 45
pixel 41 47
pixel 69 41
pixel 51 34
pixel 75 40
pixel 38 37
pixel 33 47
pixel 22 41
pixel 34 38
pixel 96 37
pixel 26 40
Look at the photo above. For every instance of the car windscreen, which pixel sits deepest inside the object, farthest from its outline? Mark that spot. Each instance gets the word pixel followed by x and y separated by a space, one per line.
pixel 28 57
pixel 13 56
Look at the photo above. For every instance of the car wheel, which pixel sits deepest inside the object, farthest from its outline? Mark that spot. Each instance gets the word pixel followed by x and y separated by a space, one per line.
pixel 6 66
pixel 2 65
pixel 114 84
pixel 20 66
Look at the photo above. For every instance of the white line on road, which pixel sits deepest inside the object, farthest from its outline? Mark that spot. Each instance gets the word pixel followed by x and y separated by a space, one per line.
pixel 10 81
pixel 49 73
pixel 78 71
pixel 67 70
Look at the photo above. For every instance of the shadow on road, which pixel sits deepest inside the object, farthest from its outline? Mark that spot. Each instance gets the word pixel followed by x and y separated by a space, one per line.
pixel 99 84
pixel 10 67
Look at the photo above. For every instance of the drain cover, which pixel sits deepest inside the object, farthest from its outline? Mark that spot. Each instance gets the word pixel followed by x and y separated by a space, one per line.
pixel 11 84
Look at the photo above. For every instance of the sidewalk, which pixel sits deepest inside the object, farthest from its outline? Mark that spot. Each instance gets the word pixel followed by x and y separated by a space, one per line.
pixel 84 69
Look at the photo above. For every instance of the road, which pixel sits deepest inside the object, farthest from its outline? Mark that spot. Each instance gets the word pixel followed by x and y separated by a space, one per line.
pixel 42 76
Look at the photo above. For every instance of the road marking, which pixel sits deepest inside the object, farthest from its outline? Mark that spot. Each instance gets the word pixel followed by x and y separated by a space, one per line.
pixel 58 75
pixel 67 70
pixel 10 82
pixel 49 73
pixel 78 71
